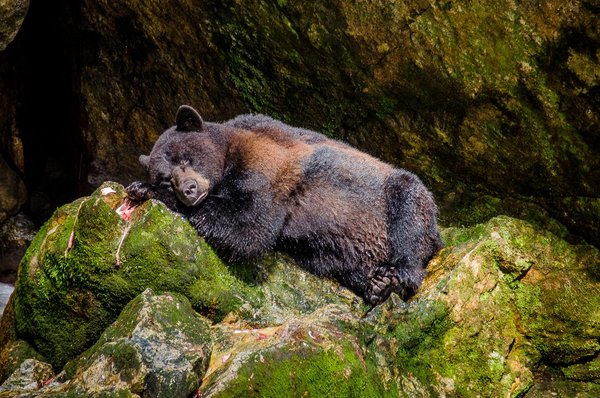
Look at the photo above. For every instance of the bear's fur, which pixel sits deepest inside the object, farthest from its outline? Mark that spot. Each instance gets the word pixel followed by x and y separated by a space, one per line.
pixel 254 184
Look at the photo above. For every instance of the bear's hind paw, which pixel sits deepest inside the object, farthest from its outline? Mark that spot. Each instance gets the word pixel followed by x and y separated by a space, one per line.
pixel 383 280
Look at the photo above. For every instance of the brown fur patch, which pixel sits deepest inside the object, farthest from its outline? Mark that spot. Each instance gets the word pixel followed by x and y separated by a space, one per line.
pixel 381 167
pixel 275 155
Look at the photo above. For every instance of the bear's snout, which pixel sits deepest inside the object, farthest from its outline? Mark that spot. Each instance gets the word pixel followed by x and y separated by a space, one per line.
pixel 190 187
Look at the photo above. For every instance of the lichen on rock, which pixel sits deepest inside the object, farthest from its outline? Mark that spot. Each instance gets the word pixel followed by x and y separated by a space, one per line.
pixel 158 345
pixel 501 303
pixel 13 13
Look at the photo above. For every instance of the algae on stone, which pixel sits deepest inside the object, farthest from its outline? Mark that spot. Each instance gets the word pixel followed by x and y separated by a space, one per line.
pixel 313 355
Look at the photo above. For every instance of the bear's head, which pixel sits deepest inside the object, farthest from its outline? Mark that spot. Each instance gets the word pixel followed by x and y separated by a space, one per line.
pixel 188 157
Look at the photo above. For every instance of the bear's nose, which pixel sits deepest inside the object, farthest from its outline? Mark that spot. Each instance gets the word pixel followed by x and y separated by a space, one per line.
pixel 190 188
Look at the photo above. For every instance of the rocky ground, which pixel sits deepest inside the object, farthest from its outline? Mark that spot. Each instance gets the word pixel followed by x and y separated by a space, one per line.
pixel 108 307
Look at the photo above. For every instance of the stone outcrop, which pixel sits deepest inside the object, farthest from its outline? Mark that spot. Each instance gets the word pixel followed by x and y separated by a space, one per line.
pixel 13 13
pixel 507 309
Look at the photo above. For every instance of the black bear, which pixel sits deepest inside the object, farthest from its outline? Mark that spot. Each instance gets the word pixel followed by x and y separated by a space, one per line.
pixel 254 184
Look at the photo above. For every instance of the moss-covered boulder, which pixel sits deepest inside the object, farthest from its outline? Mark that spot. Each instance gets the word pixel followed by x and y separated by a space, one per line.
pixel 507 309
pixel 317 355
pixel 157 347
pixel 86 263
pixel 503 305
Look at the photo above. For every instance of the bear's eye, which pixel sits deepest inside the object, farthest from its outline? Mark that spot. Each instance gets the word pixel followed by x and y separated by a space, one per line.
pixel 162 179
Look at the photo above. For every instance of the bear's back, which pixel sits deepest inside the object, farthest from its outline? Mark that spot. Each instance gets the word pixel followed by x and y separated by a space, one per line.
pixel 267 125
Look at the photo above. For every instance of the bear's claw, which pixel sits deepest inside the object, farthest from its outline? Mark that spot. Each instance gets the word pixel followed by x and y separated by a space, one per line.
pixel 139 191
pixel 385 279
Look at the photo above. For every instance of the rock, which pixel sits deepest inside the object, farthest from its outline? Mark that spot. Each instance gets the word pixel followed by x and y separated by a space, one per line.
pixel 13 13
pixel 462 94
pixel 507 309
pixel 158 347
pixel 316 355
pixel 30 375
pixel 86 263
pixel 16 234
pixel 168 48
pixel 559 388
pixel 12 356
pixel 12 191
pixel 13 351
pixel 5 293
pixel 502 303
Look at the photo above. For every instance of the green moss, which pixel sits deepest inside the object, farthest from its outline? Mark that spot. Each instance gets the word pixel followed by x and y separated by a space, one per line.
pixel 86 263
pixel 515 296
pixel 456 236
pixel 133 342
pixel 419 339
pixel 53 274
pixel 561 388
pixel 587 371
pixel 306 370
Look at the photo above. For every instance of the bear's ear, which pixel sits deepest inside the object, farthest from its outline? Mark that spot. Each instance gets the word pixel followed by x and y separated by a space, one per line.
pixel 144 161
pixel 188 119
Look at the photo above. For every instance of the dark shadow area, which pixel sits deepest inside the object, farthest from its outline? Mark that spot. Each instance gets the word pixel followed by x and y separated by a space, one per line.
pixel 45 77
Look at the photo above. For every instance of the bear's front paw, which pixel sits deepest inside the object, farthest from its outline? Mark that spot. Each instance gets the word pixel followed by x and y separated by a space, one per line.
pixel 139 191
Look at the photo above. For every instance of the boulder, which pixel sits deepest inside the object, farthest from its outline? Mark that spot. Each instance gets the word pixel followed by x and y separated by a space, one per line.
pixel 502 305
pixel 157 347
pixel 86 263
pixel 13 193
pixel 16 234
pixel 507 309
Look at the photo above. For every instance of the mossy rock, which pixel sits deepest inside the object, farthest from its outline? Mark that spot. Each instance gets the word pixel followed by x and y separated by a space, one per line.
pixel 12 356
pixel 86 263
pixel 505 304
pixel 157 347
pixel 315 355
pixel 501 300
pixel 28 376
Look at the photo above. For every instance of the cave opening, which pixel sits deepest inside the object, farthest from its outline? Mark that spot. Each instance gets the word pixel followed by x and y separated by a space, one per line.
pixel 44 58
